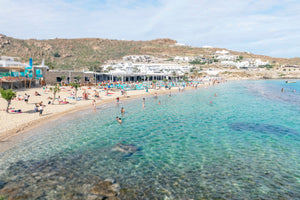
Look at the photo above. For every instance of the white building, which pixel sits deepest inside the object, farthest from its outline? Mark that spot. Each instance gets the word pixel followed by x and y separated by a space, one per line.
pixel 182 59
pixel 146 69
pixel 139 58
pixel 225 55
pixel 10 62
pixel 250 63
pixel 223 52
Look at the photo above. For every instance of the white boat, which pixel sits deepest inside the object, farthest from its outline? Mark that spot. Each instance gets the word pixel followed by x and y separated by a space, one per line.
pixel 290 81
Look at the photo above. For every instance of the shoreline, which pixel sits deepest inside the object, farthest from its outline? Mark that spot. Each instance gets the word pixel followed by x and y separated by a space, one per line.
pixel 22 128
pixel 35 123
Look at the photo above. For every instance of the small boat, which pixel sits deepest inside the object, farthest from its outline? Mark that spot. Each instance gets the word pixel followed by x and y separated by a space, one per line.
pixel 290 81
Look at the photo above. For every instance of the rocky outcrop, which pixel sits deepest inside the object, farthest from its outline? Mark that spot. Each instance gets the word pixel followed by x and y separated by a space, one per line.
pixel 106 188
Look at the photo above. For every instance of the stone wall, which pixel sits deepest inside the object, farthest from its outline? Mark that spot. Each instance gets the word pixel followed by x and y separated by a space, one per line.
pixel 52 77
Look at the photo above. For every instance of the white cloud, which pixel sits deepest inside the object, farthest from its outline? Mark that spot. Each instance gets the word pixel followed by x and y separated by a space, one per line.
pixel 256 26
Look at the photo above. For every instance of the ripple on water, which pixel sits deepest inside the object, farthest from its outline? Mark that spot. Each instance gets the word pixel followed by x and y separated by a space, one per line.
pixel 243 146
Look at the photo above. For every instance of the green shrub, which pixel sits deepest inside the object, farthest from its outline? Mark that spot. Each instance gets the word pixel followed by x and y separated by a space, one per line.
pixel 56 55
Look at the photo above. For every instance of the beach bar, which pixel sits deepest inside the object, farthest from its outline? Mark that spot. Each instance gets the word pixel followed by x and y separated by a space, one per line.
pixel 14 74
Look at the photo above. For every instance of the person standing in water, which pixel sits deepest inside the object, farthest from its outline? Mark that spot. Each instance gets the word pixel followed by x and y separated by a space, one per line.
pixel 122 110
pixel 118 100
pixel 94 105
pixel 144 102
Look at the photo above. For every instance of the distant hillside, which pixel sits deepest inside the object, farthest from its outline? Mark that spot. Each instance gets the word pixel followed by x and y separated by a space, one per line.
pixel 89 52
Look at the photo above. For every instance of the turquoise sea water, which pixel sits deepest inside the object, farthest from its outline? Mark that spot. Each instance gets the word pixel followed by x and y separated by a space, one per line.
pixel 243 145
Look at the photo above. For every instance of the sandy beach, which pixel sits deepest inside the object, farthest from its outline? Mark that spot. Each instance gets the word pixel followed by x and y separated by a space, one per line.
pixel 15 123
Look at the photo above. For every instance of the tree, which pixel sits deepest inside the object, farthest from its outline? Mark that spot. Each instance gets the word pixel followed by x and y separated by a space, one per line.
pixel 185 78
pixel 63 78
pixel 75 85
pixel 8 95
pixel 173 73
pixel 195 74
pixel 56 55
pixel 50 65
pixel 78 78
pixel 55 90
pixel 99 69
pixel 154 84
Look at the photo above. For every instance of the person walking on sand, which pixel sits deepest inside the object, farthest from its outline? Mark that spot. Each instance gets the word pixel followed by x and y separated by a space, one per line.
pixel 41 108
pixel 26 98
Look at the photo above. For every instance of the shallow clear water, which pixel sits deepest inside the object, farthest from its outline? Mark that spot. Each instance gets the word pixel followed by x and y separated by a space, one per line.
pixel 243 145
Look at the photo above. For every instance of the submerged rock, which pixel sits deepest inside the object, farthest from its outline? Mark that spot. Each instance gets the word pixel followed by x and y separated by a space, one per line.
pixel 263 128
pixel 106 188
pixel 2 184
pixel 128 149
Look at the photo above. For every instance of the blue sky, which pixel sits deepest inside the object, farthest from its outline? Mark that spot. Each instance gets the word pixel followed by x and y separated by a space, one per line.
pixel 267 27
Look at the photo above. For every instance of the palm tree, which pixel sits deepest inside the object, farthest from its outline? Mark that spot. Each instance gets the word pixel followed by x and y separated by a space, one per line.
pixel 8 95
pixel 174 74
pixel 62 79
pixel 55 90
pixel 76 86
pixel 154 84
pixel 195 74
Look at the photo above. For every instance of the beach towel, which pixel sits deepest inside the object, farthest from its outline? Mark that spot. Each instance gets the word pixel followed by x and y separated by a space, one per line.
pixel 17 111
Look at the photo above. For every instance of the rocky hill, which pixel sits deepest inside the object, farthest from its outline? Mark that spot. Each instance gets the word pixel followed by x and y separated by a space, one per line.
pixel 91 52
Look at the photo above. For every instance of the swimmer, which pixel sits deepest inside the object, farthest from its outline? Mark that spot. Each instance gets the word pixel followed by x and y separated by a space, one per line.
pixel 120 121
pixel 159 102
pixel 215 94
pixel 281 89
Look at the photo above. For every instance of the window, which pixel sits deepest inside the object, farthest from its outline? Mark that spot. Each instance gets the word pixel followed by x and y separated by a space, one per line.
pixel 58 79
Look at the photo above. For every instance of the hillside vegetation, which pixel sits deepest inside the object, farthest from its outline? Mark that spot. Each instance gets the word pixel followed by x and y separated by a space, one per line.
pixel 92 52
